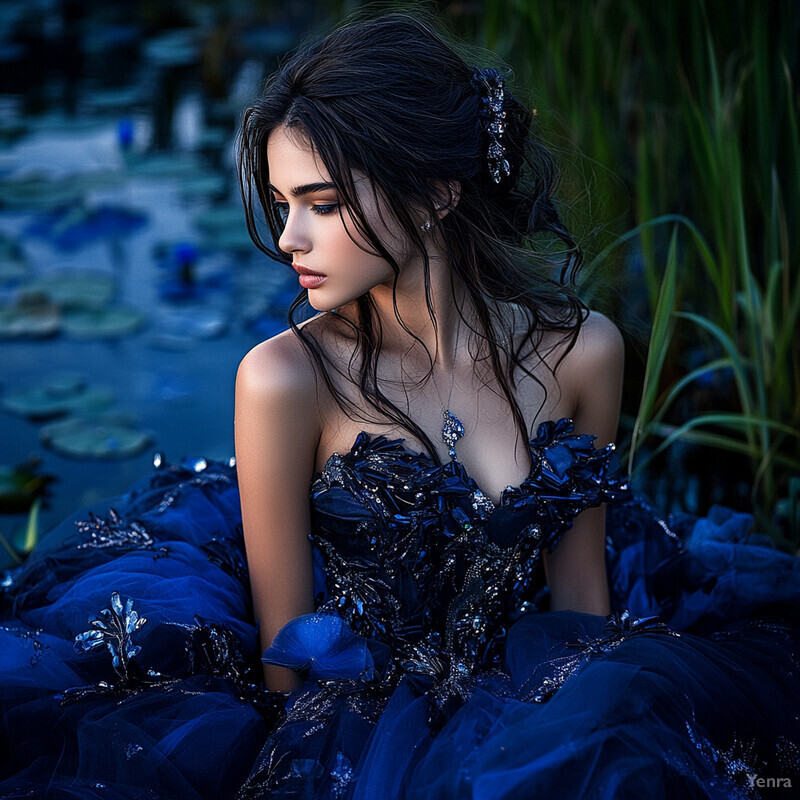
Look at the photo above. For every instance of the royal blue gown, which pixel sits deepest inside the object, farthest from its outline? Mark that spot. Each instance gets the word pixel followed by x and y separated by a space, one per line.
pixel 130 664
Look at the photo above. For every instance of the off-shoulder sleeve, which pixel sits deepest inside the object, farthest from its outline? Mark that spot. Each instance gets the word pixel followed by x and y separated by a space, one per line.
pixel 568 476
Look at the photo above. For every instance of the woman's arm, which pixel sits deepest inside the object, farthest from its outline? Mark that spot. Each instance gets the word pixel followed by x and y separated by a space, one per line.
pixel 592 375
pixel 277 431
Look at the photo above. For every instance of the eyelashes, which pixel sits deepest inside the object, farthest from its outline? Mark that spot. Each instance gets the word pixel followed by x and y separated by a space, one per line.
pixel 327 208
pixel 280 210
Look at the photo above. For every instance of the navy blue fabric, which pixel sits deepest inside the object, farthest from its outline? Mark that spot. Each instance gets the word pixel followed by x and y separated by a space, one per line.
pixel 130 665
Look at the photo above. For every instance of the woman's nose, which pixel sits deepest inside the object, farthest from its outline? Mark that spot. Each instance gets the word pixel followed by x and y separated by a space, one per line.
pixel 293 239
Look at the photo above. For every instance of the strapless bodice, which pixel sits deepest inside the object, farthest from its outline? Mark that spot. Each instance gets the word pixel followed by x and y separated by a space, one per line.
pixel 418 557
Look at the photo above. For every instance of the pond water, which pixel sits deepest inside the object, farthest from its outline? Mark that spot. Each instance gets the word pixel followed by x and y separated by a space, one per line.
pixel 129 290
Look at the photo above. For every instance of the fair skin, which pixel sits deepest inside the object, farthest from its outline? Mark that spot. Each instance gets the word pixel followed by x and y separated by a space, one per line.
pixel 288 425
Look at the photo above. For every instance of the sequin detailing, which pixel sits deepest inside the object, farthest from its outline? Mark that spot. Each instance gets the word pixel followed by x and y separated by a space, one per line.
pixel 191 473
pixel 228 555
pixel 550 676
pixel 113 532
pixel 133 750
pixel 113 629
pixel 734 764
pixel 32 637
pixel 208 649
pixel 342 775
pixel 395 528
pixel 310 711
pixel 427 599
pixel 617 629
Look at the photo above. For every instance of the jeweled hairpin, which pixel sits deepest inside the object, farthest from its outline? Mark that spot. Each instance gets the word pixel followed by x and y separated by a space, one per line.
pixel 490 86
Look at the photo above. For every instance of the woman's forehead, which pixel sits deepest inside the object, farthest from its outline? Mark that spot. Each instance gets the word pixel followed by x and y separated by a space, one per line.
pixel 296 168
pixel 293 163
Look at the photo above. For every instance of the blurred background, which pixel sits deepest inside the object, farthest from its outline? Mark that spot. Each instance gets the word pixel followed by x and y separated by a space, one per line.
pixel 129 289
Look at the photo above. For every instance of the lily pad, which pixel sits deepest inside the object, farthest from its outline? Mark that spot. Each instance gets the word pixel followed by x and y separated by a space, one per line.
pixel 30 320
pixel 75 288
pixel 103 323
pixel 64 384
pixel 94 438
pixel 37 191
pixel 60 394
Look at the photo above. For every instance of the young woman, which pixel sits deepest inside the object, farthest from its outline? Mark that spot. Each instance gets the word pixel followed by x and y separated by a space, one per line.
pixel 454 593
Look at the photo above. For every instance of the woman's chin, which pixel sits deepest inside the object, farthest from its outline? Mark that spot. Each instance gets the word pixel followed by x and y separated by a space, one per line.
pixel 318 304
pixel 325 301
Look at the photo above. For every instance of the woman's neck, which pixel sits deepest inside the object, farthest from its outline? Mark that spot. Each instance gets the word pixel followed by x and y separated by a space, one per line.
pixel 448 295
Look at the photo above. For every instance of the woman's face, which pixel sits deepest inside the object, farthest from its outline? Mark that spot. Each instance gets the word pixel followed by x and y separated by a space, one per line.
pixel 318 234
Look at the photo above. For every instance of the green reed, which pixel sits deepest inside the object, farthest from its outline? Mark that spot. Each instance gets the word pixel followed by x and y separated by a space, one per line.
pixel 677 128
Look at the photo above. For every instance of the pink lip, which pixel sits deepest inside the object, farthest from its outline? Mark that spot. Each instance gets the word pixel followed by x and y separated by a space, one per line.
pixel 312 281
pixel 308 278
pixel 299 268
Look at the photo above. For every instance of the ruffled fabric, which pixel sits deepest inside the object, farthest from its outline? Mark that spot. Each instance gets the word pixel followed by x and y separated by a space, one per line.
pixel 635 711
pixel 433 666
pixel 128 653
pixel 323 647
pixel 568 476
pixel 696 574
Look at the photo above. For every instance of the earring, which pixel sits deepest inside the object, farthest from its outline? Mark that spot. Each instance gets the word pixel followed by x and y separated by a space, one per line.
pixel 426 226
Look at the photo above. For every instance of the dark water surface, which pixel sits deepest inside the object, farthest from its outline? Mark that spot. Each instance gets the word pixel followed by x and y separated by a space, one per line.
pixel 131 175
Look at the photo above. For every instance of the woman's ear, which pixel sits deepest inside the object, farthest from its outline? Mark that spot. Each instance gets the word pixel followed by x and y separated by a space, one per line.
pixel 447 197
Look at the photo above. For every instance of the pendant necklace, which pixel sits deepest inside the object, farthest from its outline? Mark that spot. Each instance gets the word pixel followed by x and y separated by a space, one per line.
pixel 452 427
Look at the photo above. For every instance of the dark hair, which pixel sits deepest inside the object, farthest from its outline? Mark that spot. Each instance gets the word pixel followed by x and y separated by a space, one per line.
pixel 389 98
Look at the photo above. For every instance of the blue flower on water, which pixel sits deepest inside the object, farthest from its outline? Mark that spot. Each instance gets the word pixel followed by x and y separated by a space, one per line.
pixel 113 628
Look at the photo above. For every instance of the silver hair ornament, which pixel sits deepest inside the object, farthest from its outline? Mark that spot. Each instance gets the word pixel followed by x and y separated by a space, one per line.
pixel 490 87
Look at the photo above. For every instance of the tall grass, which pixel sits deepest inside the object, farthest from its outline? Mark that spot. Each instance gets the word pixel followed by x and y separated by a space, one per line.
pixel 678 127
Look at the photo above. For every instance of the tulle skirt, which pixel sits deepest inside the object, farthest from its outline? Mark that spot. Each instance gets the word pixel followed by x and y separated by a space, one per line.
pixel 130 668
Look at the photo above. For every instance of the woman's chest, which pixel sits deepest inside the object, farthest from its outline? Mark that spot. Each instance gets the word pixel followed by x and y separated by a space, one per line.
pixel 490 446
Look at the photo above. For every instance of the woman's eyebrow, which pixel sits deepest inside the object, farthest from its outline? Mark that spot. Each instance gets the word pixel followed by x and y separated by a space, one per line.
pixel 307 188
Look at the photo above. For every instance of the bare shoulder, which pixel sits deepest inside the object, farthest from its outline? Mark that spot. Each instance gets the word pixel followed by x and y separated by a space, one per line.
pixel 592 373
pixel 277 364
pixel 599 342
pixel 283 364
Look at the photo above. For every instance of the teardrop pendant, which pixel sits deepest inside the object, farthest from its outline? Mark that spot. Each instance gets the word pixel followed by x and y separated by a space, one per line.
pixel 452 431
